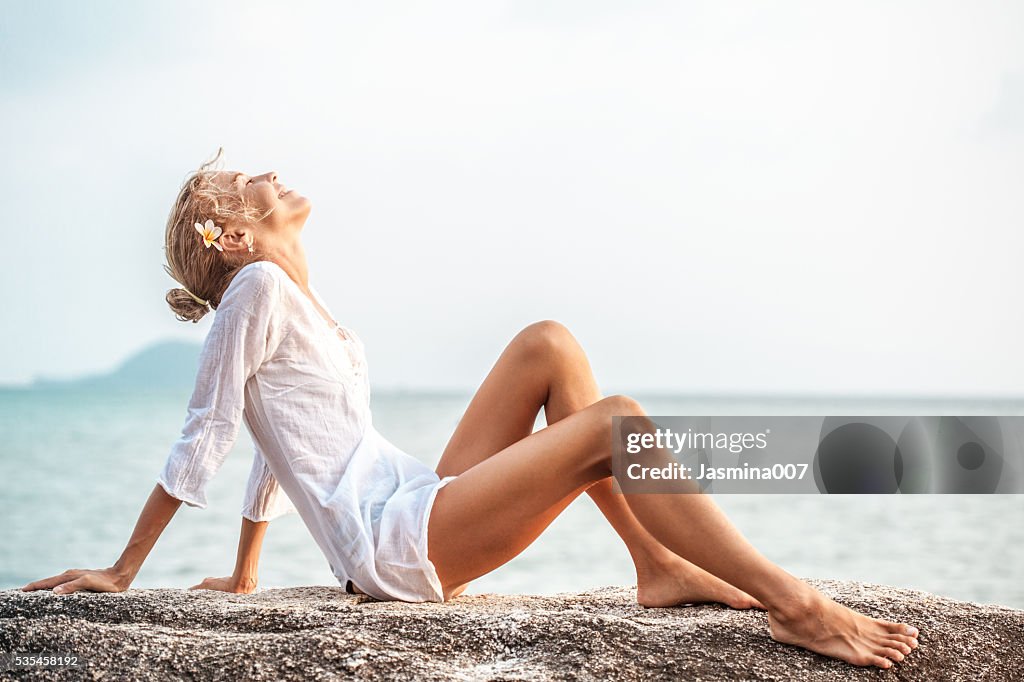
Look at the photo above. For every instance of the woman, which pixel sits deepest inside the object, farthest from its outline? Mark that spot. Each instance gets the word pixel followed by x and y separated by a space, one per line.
pixel 390 527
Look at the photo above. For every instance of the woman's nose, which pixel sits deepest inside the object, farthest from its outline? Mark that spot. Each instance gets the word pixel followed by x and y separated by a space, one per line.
pixel 271 177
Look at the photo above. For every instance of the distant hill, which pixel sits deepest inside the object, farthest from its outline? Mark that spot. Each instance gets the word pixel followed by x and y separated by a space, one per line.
pixel 163 365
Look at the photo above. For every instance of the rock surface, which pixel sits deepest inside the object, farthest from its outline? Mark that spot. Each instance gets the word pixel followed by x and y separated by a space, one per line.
pixel 324 633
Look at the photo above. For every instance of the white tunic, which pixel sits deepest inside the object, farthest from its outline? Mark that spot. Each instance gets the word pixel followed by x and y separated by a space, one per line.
pixel 272 360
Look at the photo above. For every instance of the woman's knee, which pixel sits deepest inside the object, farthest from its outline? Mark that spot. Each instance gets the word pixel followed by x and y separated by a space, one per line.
pixel 597 456
pixel 545 339
pixel 620 406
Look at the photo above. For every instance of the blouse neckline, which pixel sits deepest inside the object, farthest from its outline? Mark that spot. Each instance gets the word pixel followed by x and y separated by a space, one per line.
pixel 337 326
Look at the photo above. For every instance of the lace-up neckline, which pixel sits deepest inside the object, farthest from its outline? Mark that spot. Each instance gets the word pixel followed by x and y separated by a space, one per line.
pixel 334 326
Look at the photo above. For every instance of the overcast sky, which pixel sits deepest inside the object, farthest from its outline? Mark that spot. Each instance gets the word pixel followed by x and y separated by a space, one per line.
pixel 714 197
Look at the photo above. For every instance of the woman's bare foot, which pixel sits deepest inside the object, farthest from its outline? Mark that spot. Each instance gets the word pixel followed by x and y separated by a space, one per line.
pixel 673 581
pixel 815 622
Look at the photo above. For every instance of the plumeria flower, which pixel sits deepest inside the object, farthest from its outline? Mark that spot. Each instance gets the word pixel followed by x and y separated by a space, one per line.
pixel 211 233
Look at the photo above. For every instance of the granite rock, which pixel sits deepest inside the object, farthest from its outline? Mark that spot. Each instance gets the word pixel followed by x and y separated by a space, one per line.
pixel 324 633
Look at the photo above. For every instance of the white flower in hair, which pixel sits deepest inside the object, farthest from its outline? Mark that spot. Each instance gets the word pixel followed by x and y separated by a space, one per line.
pixel 211 233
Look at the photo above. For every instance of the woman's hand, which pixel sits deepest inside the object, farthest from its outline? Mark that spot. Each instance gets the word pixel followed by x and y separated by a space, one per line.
pixel 229 584
pixel 101 580
pixel 155 516
pixel 243 580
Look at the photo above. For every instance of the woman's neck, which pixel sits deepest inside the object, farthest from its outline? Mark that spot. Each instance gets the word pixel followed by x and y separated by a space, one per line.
pixel 292 260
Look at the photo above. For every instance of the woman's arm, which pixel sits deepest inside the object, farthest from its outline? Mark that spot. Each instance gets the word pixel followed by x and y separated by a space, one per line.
pixel 246 575
pixel 159 509
pixel 238 343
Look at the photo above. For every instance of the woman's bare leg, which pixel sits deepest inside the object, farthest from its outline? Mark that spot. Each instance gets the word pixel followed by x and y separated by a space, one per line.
pixel 545 367
pixel 495 509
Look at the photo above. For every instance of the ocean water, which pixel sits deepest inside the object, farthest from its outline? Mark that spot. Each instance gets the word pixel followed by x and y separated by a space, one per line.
pixel 76 467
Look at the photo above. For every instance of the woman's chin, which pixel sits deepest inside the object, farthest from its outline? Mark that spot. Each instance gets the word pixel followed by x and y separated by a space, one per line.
pixel 301 210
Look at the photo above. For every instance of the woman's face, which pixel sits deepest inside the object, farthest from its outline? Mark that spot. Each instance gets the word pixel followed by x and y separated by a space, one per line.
pixel 285 209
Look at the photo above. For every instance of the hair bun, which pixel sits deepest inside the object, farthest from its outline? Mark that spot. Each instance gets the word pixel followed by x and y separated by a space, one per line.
pixel 186 308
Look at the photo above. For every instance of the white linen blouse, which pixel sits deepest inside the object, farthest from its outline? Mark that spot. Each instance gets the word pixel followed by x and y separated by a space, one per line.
pixel 271 360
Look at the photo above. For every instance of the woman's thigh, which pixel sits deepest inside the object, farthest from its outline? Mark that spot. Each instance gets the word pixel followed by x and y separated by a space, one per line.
pixel 505 407
pixel 495 509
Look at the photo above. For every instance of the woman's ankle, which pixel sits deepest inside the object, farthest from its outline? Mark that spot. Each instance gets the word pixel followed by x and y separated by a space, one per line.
pixel 792 602
pixel 654 561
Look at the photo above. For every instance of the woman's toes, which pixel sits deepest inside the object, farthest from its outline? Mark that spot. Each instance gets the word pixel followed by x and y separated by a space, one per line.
pixel 899 628
pixel 909 641
pixel 894 654
pixel 905 648
pixel 880 662
pixel 746 602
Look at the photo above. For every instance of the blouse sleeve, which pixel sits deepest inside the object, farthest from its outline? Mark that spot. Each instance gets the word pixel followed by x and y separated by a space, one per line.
pixel 238 343
pixel 264 499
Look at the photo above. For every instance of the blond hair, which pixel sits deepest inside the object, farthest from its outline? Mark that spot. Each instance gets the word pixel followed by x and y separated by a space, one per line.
pixel 206 272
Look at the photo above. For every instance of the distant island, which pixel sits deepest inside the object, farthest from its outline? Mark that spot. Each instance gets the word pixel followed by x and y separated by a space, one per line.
pixel 162 365
pixel 171 366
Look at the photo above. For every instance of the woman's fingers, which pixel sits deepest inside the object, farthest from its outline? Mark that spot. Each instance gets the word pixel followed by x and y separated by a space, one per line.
pixel 95 581
pixel 51 582
pixel 209 584
pixel 84 582
pixel 75 580
pixel 224 585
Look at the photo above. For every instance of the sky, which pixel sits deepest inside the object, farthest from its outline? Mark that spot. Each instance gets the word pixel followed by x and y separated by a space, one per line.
pixel 719 197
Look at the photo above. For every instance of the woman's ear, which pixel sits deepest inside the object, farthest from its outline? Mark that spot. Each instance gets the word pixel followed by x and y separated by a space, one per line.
pixel 236 242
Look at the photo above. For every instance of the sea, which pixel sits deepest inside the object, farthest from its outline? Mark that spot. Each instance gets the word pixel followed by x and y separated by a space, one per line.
pixel 76 467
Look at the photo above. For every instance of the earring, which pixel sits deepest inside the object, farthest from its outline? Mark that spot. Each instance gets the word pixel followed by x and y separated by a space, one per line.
pixel 251 250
